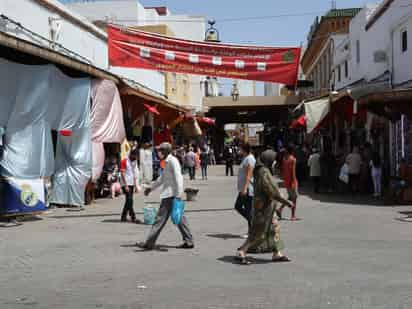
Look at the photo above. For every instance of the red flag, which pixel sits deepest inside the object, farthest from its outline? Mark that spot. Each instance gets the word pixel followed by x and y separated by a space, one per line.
pixel 137 49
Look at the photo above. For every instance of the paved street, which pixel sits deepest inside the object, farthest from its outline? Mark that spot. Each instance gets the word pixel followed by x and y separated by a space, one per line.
pixel 345 255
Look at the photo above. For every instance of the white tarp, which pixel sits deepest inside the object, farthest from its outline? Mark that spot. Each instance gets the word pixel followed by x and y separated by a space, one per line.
pixel 36 99
pixel 315 112
pixel 106 120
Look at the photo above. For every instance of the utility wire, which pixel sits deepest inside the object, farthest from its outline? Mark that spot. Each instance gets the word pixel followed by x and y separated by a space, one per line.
pixel 233 19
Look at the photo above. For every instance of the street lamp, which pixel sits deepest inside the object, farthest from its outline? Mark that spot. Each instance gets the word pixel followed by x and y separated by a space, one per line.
pixel 211 35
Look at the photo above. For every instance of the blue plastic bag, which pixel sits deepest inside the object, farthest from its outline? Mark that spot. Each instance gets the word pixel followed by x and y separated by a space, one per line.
pixel 149 215
pixel 178 209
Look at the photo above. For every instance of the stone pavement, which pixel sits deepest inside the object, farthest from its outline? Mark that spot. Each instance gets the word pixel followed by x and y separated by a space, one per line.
pixel 346 253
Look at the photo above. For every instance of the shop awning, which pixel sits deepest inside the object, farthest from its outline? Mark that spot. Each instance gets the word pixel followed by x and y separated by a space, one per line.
pixel 315 112
pixel 130 87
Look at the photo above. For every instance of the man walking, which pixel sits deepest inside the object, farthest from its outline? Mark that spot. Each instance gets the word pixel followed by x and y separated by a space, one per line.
pixel 229 158
pixel 244 199
pixel 204 161
pixel 354 162
pixel 190 162
pixel 315 171
pixel 171 182
pixel 128 182
pixel 290 180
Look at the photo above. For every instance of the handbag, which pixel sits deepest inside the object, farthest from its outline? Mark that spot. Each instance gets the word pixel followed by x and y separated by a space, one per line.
pixel 344 174
pixel 178 209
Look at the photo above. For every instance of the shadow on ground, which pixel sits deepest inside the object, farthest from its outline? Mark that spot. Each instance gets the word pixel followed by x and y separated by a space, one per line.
pixel 137 213
pixel 305 189
pixel 225 236
pixel 254 261
pixel 407 216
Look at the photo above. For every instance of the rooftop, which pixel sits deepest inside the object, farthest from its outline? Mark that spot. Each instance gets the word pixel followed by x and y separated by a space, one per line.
pixel 334 13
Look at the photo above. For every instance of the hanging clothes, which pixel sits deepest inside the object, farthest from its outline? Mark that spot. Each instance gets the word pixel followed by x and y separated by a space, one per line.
pixel 146 166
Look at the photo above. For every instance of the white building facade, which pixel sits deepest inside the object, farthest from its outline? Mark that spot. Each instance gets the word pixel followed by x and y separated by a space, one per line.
pixel 376 57
pixel 73 32
pixel 378 46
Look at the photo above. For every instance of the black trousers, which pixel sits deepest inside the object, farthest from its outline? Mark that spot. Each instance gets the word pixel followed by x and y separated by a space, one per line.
pixel 243 206
pixel 229 168
pixel 316 183
pixel 128 205
pixel 192 172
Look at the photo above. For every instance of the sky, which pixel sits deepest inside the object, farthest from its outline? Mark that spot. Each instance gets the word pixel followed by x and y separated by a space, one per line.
pixel 276 31
pixel 279 28
pixel 281 31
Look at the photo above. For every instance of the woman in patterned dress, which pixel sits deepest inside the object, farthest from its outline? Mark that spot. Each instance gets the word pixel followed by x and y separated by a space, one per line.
pixel 264 235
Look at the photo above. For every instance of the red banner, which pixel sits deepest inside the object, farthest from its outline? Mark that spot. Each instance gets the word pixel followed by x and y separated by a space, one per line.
pixel 137 49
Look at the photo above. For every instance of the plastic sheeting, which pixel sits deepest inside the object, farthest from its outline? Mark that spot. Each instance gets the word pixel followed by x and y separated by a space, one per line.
pixel 107 113
pixel 315 112
pixel 106 120
pixel 35 100
pixel 73 168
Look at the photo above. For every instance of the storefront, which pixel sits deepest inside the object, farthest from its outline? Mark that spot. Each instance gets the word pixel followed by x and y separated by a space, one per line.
pixel 46 127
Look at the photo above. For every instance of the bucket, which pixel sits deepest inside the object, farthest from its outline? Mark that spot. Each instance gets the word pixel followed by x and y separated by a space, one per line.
pixel 191 194
pixel 149 215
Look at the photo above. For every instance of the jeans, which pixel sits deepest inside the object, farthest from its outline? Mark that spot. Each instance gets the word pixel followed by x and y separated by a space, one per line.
pixel 128 205
pixel 377 181
pixel 243 206
pixel 204 171
pixel 163 215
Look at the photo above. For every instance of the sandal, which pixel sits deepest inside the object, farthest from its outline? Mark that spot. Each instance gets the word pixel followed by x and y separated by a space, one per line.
pixel 280 259
pixel 242 260
pixel 143 246
pixel 279 214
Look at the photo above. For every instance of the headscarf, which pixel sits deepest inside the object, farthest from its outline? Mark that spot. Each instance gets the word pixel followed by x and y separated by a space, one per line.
pixel 267 158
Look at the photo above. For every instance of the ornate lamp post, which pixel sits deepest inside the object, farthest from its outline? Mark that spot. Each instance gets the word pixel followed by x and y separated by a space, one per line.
pixel 211 35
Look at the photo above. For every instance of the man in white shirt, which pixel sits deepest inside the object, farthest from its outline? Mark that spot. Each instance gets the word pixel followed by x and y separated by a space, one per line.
pixel 354 162
pixel 128 182
pixel 171 183
pixel 315 171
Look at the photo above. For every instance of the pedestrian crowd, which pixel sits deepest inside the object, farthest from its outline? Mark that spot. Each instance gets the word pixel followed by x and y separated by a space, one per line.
pixel 258 200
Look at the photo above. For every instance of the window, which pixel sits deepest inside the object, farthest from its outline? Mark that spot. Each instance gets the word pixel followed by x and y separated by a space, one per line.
pixel 346 69
pixel 339 74
pixel 357 51
pixel 404 40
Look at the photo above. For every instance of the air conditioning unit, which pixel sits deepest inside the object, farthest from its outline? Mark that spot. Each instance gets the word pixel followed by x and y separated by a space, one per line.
pixel 380 56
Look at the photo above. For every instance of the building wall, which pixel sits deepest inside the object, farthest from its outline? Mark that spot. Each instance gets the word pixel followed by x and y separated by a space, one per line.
pixel 125 12
pixel 177 86
pixel 382 37
pixel 132 13
pixel 34 16
pixel 402 66
pixel 192 29
pixel 326 27
pixel 272 89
